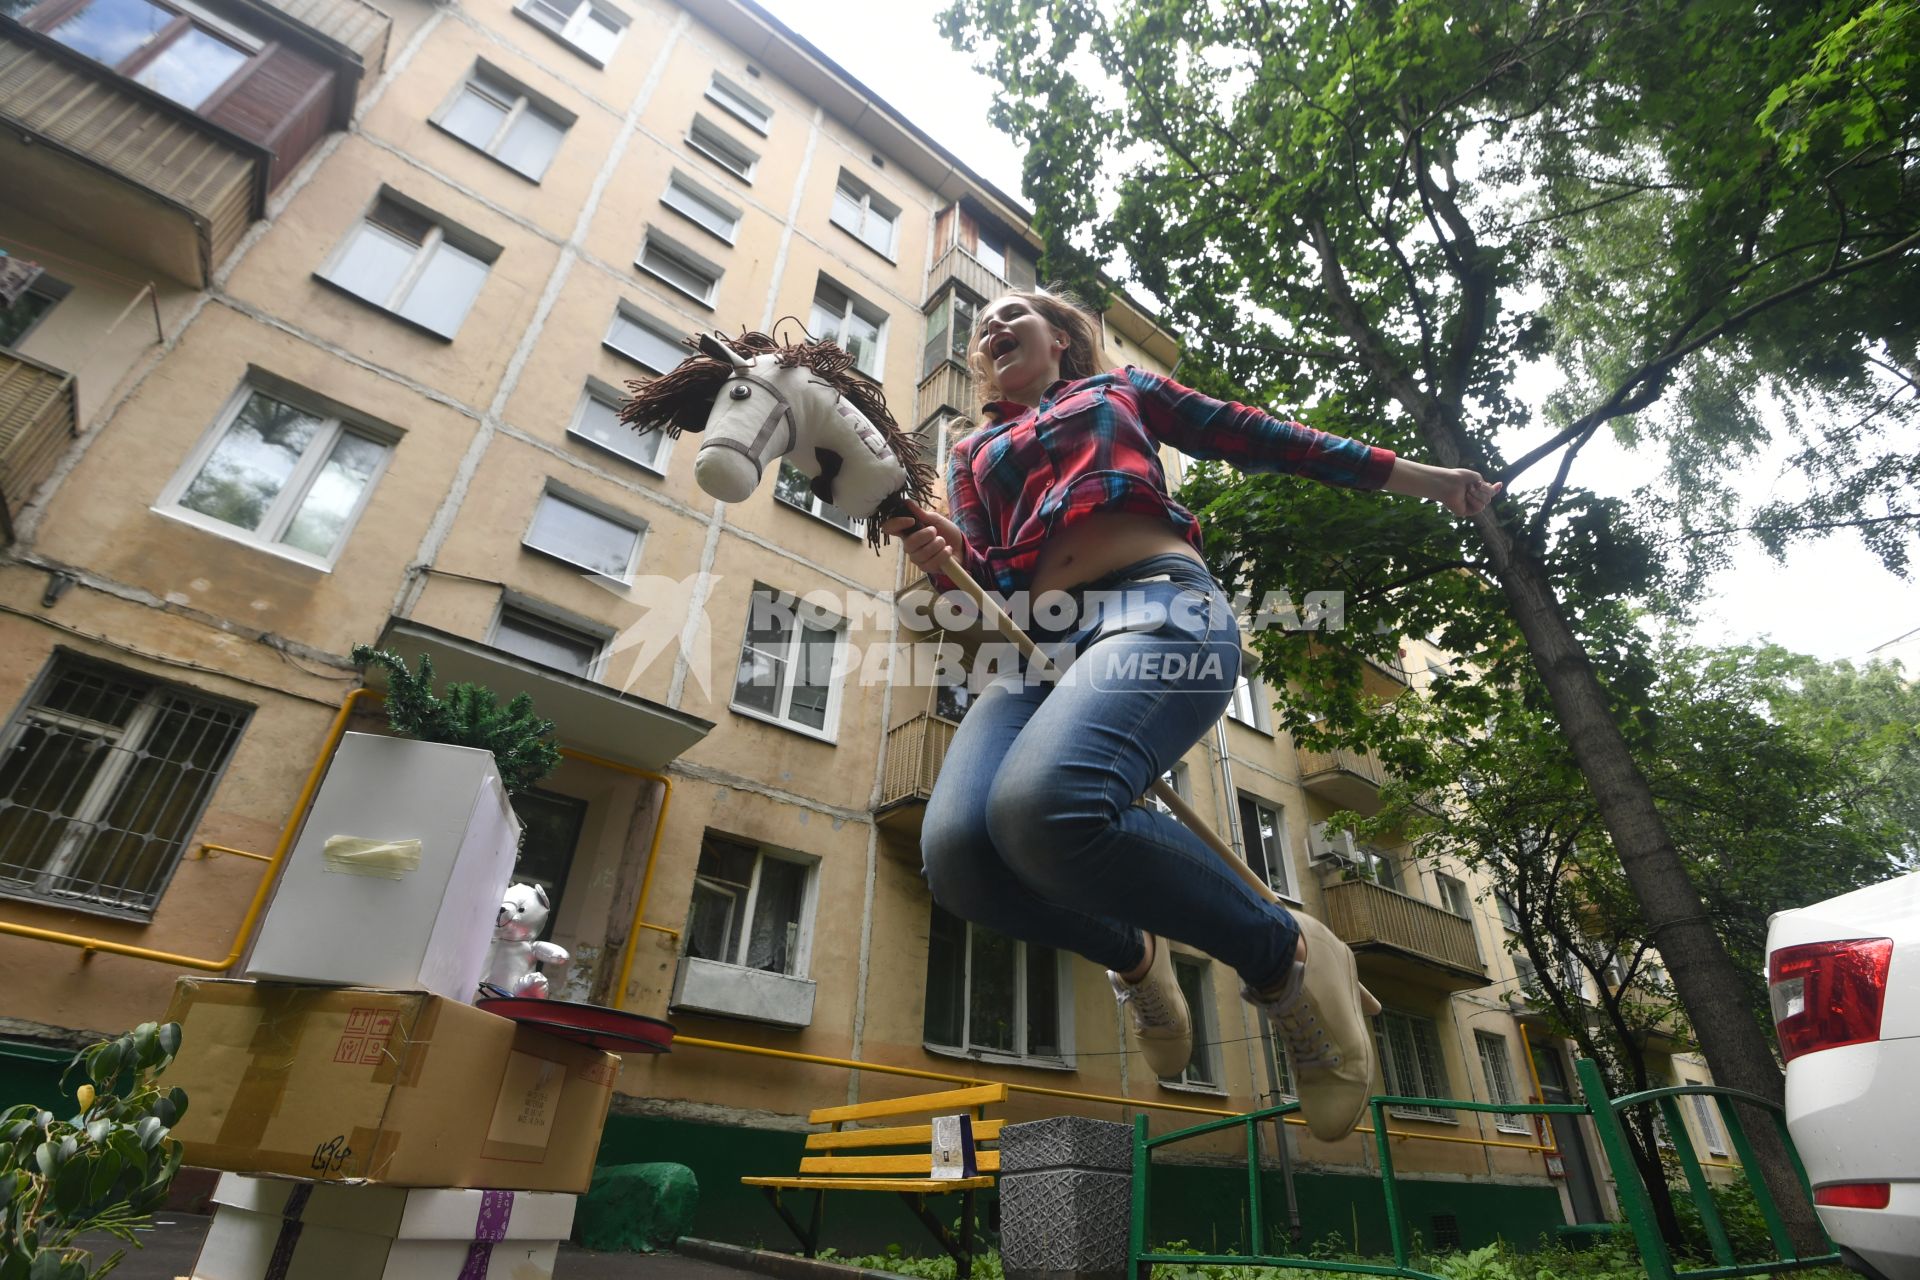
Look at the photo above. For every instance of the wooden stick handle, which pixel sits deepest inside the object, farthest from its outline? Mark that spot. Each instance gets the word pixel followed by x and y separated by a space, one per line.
pixel 998 619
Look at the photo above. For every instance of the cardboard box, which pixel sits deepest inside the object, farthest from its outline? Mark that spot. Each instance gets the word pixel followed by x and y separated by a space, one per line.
pixel 275 1229
pixel 369 923
pixel 396 1087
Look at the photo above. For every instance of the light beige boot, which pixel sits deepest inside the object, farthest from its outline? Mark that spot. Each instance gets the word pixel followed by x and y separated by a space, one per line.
pixel 1161 1024
pixel 1321 1014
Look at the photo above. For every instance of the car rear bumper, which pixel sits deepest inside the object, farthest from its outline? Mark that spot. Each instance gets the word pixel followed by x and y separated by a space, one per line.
pixel 1853 1119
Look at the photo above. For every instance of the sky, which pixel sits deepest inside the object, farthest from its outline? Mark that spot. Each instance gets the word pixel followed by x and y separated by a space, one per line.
pixel 1831 598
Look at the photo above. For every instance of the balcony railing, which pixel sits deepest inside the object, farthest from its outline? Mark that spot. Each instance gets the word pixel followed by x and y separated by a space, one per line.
pixel 37 419
pixel 915 751
pixel 354 24
pixel 1363 914
pixel 969 272
pixel 948 388
pixel 1349 779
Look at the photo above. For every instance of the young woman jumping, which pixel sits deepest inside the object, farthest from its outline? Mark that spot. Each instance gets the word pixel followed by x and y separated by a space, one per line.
pixel 1032 829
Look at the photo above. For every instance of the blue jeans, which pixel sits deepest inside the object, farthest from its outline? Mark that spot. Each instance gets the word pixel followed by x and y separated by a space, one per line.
pixel 1032 830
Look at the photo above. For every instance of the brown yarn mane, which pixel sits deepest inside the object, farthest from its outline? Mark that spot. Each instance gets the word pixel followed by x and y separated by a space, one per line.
pixel 682 399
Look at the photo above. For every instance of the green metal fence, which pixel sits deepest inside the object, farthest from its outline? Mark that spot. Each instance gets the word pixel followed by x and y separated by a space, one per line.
pixel 1634 1200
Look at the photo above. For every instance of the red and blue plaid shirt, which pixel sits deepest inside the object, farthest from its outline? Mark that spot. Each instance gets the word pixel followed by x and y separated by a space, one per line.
pixel 1094 445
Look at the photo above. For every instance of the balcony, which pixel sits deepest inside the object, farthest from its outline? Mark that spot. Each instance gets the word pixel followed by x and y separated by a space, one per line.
pixel 1404 938
pixel 100 156
pixel 38 416
pixel 353 25
pixel 948 389
pixel 1343 778
pixel 916 749
pixel 961 267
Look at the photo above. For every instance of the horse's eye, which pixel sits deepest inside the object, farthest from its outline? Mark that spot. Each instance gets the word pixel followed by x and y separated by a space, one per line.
pixel 740 391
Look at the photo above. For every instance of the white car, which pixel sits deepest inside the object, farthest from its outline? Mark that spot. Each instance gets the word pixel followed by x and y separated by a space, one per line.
pixel 1844 977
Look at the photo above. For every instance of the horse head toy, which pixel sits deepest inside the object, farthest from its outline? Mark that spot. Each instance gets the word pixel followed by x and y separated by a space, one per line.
pixel 754 399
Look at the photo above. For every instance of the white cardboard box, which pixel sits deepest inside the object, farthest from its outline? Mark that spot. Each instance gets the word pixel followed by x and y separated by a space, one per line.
pixel 281 1229
pixel 428 929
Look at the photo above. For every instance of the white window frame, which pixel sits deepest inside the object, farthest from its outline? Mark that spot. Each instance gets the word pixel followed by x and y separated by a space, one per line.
pixel 727 94
pixel 568 33
pixel 873 206
pixel 1496 1064
pixel 836 689
pixel 286 504
pixel 1454 894
pixel 866 311
pixel 1251 692
pixel 1415 1027
pixel 624 310
pixel 1706 1121
pixel 545 616
pixel 1206 1030
pixel 855 526
pixel 1177 778
pixel 519 101
pixel 596 391
pixel 1508 913
pixel 802 957
pixel 574 498
pixel 440 232
pixel 693 263
pixel 707 138
pixel 1062 1003
pixel 1288 887
pixel 689 192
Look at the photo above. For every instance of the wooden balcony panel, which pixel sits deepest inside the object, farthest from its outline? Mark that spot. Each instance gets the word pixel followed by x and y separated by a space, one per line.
pixel 1423 943
pixel 354 24
pixel 1349 779
pixel 968 272
pixel 38 417
pixel 916 749
pixel 949 388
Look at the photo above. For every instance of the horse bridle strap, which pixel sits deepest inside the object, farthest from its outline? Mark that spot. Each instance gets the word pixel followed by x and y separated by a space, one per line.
pixel 782 408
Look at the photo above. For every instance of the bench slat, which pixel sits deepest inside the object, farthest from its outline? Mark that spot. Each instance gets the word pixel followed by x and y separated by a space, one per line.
pixel 898 1136
pixel 918 1104
pixel 987 1161
pixel 924 1185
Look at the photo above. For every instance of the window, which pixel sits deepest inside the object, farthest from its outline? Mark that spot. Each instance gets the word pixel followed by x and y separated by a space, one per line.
pixel 651 344
pixel 178 50
pixel 1201 1072
pixel 280 475
pixel 1410 1060
pixel 949 328
pixel 951 699
pixel 498 115
pixel 1703 1119
pixel 705 137
pixel 685 196
pixel 550 826
pixel 1495 1064
pixel 403 260
pixel 103 775
pixel 570 529
pixel 1509 917
pixel 1249 705
pixel 1524 970
pixel 791 487
pixel 20 317
pixel 870 218
pixel 1381 868
pixel 529 635
pixel 597 421
pixel 1454 896
pixel 787 657
pixel 592 28
pixel 1265 837
pixel 990 995
pixel 679 266
pixel 1176 778
pixel 855 324
pixel 1283 1070
pixel 990 247
pixel 749 907
pixel 740 104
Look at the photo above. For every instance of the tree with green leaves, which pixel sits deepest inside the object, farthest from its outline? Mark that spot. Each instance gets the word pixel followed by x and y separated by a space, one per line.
pixel 1383 211
pixel 467 715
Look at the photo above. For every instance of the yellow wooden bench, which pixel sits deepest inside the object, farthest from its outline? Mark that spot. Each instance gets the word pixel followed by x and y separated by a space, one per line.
pixel 907 1172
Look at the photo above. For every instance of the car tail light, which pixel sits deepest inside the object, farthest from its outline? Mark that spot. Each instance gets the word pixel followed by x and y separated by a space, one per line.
pixel 1828 994
pixel 1854 1195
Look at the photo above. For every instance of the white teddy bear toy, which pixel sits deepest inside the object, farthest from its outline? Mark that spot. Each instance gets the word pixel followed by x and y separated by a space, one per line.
pixel 511 961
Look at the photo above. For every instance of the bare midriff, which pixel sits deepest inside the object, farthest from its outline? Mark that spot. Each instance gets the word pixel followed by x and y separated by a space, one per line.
pixel 1097 544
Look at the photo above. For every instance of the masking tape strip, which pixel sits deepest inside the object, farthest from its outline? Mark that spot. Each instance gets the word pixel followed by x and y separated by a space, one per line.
pixel 272 1052
pixel 358 856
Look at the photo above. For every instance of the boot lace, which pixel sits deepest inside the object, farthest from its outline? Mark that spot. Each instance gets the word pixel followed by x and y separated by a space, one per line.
pixel 1299 1024
pixel 1149 1003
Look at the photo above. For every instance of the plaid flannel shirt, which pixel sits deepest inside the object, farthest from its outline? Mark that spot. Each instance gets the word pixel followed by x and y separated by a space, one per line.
pixel 1094 445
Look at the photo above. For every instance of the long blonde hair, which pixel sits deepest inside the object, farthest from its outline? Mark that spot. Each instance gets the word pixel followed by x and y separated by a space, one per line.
pixel 1085 354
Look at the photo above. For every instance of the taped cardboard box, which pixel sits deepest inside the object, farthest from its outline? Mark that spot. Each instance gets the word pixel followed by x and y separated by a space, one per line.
pixel 278 1229
pixel 396 1087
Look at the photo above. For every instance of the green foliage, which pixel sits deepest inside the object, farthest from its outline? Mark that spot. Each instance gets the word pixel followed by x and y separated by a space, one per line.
pixel 106 1169
pixel 1740 1214
pixel 469 715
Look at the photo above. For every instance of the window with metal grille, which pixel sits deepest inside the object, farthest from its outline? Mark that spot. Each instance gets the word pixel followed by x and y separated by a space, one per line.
pixel 103 775
pixel 1411 1062
pixel 1499 1072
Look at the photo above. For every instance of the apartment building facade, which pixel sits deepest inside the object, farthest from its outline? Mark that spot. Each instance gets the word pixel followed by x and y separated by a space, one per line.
pixel 314 319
